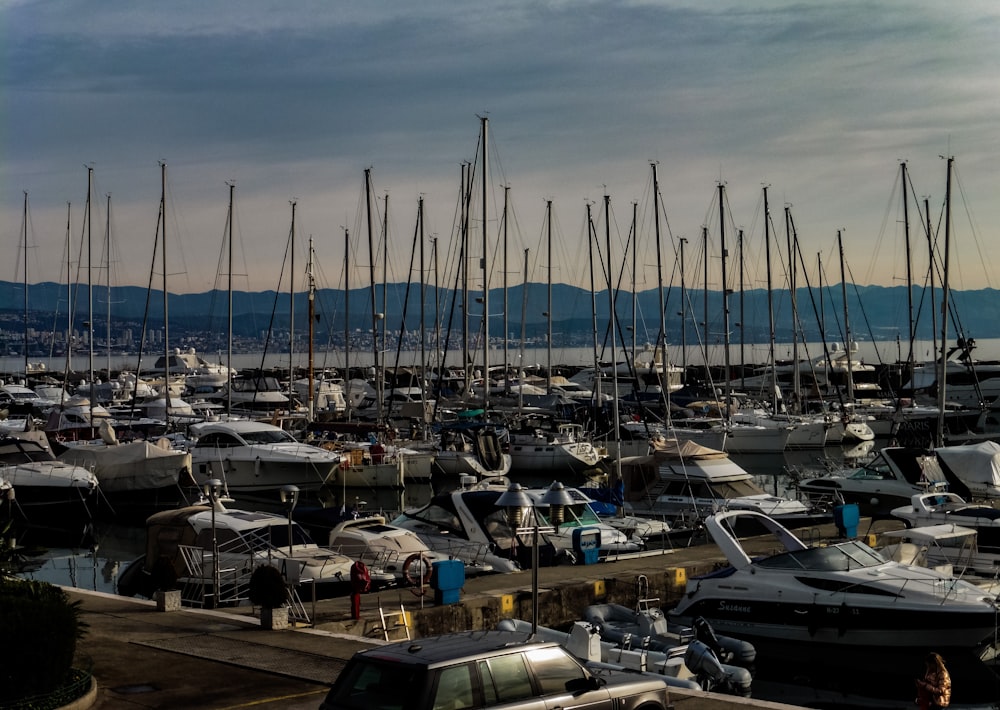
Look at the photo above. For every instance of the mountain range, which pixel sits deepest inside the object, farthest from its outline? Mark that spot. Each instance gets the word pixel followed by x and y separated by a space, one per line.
pixel 874 312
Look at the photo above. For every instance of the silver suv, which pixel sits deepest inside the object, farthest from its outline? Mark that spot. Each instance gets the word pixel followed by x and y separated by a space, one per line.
pixel 485 669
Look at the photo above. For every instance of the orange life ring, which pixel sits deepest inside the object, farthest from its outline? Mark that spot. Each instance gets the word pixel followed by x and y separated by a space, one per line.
pixel 411 575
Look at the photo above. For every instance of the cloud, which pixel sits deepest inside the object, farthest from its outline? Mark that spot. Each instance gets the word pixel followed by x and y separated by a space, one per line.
pixel 820 100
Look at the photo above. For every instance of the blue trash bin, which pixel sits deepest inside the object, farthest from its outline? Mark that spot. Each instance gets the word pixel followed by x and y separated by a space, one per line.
pixel 846 517
pixel 447 580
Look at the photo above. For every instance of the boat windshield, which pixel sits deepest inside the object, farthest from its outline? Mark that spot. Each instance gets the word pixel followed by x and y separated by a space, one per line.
pixel 574 516
pixel 268 436
pixel 848 555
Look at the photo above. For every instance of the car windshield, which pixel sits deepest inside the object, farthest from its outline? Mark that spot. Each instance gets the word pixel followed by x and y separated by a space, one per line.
pixel 370 685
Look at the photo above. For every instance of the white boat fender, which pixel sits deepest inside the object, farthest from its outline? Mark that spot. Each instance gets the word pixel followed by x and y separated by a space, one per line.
pixel 700 659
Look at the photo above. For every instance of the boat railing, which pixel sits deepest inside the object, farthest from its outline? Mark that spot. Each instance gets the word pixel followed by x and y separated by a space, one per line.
pixel 198 585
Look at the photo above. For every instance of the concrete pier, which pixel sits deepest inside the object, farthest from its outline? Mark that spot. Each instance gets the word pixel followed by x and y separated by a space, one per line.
pixel 195 658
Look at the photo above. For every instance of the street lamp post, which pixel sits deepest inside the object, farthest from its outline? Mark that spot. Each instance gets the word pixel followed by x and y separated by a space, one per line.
pixel 211 490
pixel 515 499
pixel 289 497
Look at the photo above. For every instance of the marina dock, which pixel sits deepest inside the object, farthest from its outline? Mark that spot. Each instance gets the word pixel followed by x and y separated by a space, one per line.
pixel 199 658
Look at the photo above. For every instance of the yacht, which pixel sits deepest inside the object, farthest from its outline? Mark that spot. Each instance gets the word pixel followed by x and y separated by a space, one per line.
pixel 564 450
pixel 887 481
pixel 945 507
pixel 949 548
pixel 472 449
pixel 681 480
pixel 844 595
pixel 391 548
pixel 180 550
pixel 470 516
pixel 256 459
pixel 50 493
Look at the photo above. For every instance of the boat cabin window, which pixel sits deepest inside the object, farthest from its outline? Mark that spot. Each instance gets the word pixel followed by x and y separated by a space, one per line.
pixel 217 440
pixel 268 436
pixel 436 515
pixel 834 558
pixel 22 451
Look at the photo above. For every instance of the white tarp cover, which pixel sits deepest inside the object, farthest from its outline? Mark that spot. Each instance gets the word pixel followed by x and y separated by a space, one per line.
pixel 978 465
pixel 137 465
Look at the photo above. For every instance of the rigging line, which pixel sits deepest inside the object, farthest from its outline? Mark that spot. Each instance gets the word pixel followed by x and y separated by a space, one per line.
pixel 972 225
pixel 274 307
pixel 145 310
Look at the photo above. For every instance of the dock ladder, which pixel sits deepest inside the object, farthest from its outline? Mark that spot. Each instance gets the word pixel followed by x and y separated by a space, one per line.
pixel 394 623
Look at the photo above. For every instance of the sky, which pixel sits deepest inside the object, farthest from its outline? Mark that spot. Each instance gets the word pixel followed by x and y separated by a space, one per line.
pixel 292 102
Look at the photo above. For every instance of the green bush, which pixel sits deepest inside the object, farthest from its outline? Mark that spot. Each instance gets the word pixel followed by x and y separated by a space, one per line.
pixel 267 587
pixel 41 627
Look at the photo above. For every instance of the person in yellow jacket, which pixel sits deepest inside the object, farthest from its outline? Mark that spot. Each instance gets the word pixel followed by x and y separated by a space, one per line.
pixel 934 688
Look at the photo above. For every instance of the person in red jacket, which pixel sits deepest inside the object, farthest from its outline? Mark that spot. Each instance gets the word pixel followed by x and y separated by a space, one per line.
pixel 360 583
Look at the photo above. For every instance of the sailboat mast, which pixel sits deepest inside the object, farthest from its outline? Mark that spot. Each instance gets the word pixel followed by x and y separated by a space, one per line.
pixel 742 323
pixel 486 269
pixel 107 248
pixel 347 317
pixel 69 298
pixel 310 399
pixel 166 321
pixel 930 249
pixel 792 272
pixel 371 287
pixel 524 317
pixel 548 308
pixel 909 269
pixel 506 326
pixel 229 307
pixel 291 306
pixel 725 294
pixel 661 336
pixel 847 324
pixel 942 377
pixel 612 315
pixel 423 323
pixel 684 361
pixel 438 354
pixel 591 239
pixel 25 256
pixel 90 285
pixel 770 303
pixel 635 258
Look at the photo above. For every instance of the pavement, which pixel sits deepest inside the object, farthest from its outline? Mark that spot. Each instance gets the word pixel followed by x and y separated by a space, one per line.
pixel 198 659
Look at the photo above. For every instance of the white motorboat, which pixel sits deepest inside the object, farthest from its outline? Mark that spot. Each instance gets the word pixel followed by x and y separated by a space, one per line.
pixel 682 480
pixel 137 478
pixel 877 486
pixel 180 551
pixel 950 508
pixel 843 595
pixel 257 393
pixel 257 459
pixel 471 515
pixel 382 545
pixel 948 548
pixel 50 493
pixel 563 451
pixel 472 449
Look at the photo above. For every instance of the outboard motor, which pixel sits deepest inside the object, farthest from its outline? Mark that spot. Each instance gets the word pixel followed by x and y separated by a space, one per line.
pixel 713 675
pixel 704 632
pixel 726 649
